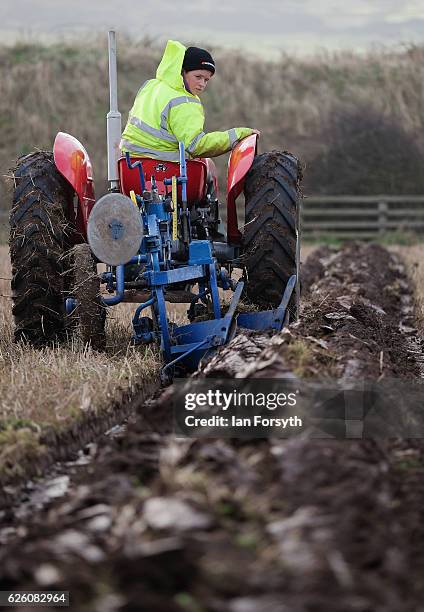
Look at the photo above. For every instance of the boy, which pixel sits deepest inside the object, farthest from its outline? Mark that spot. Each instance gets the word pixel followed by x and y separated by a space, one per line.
pixel 168 110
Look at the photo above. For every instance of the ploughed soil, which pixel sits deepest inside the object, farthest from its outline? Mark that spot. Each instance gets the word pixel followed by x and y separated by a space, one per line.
pixel 152 522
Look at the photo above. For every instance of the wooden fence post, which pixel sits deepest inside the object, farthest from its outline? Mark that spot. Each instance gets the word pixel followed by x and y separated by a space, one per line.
pixel 382 217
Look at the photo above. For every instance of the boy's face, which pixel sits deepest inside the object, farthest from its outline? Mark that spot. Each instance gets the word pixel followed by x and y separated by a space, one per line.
pixel 197 80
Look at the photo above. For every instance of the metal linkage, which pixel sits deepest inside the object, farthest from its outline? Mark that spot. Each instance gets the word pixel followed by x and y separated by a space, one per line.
pixel 138 165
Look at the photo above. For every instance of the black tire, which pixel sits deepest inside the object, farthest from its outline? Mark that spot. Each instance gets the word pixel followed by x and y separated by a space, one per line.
pixel 88 320
pixel 272 201
pixel 38 241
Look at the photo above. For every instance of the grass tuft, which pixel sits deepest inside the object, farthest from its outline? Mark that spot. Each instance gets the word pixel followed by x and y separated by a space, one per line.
pixel 54 386
pixel 413 258
pixel 18 448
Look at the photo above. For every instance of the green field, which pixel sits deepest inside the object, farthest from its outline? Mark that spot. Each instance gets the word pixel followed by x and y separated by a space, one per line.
pixel 355 120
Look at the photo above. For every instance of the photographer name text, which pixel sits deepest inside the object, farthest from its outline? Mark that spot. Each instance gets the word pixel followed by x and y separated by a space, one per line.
pixel 233 421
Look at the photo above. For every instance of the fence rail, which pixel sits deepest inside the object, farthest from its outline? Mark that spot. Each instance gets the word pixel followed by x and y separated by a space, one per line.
pixel 344 216
pixel 362 216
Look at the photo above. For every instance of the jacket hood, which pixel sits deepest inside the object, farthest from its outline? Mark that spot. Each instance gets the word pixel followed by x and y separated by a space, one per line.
pixel 169 69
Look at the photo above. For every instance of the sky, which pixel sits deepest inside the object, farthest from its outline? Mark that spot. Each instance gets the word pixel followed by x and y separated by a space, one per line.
pixel 263 27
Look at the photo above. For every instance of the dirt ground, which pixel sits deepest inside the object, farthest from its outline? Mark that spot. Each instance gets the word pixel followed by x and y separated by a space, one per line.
pixel 144 521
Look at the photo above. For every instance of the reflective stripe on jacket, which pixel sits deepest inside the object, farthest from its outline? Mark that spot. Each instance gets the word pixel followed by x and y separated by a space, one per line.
pixel 164 113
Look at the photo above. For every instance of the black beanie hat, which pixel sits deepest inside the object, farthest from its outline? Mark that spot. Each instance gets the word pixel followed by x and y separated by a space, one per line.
pixel 198 59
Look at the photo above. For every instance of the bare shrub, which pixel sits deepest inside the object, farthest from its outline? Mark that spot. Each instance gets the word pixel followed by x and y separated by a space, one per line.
pixel 365 152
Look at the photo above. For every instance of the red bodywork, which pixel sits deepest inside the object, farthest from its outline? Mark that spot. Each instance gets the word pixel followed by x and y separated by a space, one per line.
pixel 239 164
pixel 73 163
pixel 196 174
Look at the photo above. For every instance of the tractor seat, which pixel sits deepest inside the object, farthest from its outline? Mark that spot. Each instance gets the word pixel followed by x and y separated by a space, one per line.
pixel 196 175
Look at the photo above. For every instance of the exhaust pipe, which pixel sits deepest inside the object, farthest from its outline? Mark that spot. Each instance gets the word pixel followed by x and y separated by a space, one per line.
pixel 113 120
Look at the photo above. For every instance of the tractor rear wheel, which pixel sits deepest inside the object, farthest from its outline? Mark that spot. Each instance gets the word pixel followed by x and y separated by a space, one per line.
pixel 89 317
pixel 270 239
pixel 38 241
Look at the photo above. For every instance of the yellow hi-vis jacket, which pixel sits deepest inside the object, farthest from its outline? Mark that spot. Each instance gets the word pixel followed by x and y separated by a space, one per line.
pixel 164 113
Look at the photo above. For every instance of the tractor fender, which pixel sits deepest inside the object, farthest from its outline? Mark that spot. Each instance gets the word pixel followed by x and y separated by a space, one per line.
pixel 239 164
pixel 74 165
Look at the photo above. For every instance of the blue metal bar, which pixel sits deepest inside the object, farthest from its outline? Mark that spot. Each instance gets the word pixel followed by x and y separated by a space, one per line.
pixel 183 355
pixel 175 275
pixel 180 180
pixel 120 284
pixel 138 165
pixel 235 300
pixel 214 292
pixel 279 315
pixel 141 307
pixel 163 322
pixel 199 296
pixel 183 172
pixel 183 179
pixel 227 325
pixel 137 259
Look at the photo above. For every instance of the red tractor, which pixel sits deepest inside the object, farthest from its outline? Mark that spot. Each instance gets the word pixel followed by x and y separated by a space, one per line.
pixel 159 232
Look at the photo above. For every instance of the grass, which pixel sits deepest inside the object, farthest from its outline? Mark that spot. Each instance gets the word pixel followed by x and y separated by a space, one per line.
pixel 413 258
pixel 292 101
pixel 18 447
pixel 300 357
pixel 57 386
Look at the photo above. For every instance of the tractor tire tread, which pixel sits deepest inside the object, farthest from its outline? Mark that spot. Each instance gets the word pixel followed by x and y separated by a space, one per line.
pixel 272 193
pixel 89 318
pixel 38 242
